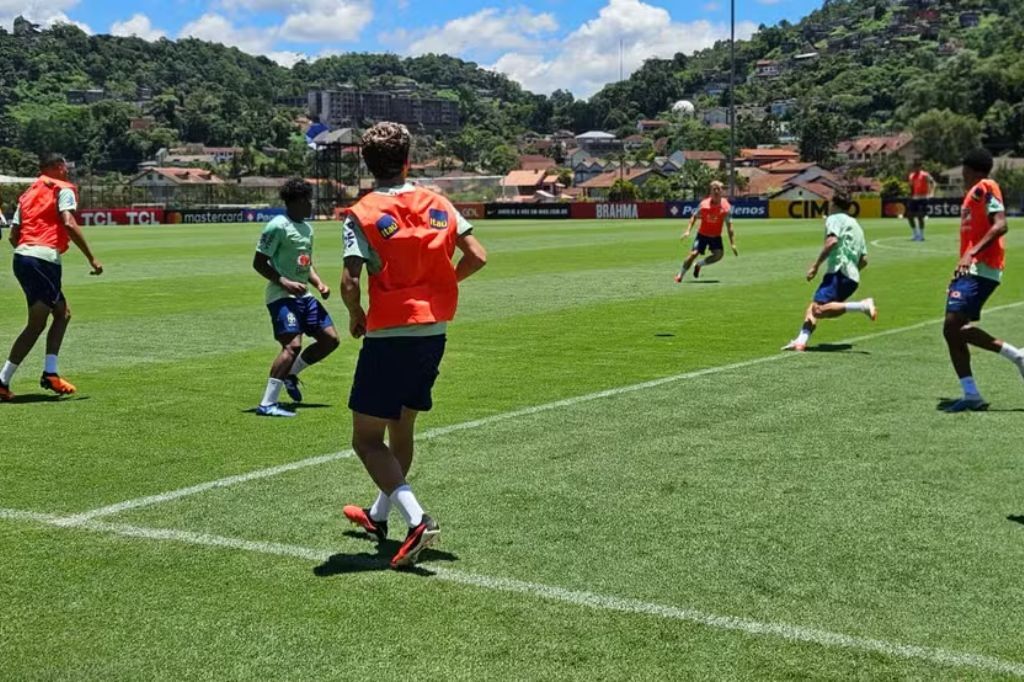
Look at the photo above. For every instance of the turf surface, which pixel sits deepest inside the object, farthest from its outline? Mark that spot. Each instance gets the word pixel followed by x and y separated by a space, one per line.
pixel 823 490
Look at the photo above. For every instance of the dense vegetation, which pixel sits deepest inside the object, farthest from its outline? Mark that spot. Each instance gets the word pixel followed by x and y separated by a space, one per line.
pixel 951 85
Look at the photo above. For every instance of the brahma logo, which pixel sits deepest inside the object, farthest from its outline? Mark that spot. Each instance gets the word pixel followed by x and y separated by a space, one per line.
pixel 304 260
pixel 438 219
pixel 387 226
pixel 617 212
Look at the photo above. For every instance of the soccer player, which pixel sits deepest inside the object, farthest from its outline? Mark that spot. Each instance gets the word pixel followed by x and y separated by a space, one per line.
pixel 284 257
pixel 714 211
pixel 978 273
pixel 43 226
pixel 405 236
pixel 922 188
pixel 846 254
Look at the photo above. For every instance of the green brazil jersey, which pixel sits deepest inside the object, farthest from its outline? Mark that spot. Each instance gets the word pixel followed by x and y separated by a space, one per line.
pixel 845 257
pixel 289 245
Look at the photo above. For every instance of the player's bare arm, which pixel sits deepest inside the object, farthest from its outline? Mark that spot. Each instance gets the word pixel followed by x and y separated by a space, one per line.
pixel 321 286
pixel 999 228
pixel 261 264
pixel 474 257
pixel 351 296
pixel 75 234
pixel 830 243
pixel 689 228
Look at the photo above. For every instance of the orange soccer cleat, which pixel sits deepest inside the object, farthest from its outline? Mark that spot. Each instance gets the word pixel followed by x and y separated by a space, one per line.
pixel 361 517
pixel 6 395
pixel 57 384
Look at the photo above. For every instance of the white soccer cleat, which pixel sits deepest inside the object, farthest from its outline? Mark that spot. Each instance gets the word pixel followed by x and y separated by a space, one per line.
pixel 870 309
pixel 795 346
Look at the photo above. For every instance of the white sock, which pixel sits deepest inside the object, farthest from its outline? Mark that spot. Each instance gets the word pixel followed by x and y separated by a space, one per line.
pixel 7 373
pixel 50 366
pixel 856 307
pixel 970 388
pixel 298 365
pixel 272 395
pixel 702 262
pixel 1012 354
pixel 803 337
pixel 381 507
pixel 408 505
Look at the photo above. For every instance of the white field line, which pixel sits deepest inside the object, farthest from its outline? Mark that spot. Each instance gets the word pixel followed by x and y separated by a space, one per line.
pixel 258 474
pixel 907 248
pixel 792 633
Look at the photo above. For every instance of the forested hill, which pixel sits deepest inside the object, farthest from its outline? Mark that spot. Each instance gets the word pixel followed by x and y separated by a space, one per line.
pixel 854 66
pixel 202 92
pixel 860 66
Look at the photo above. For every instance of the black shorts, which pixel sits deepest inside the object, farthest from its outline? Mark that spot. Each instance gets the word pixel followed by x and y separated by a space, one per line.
pixel 396 372
pixel 917 208
pixel 39 279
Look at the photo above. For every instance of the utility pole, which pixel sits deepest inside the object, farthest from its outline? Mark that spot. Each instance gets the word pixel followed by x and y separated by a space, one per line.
pixel 732 100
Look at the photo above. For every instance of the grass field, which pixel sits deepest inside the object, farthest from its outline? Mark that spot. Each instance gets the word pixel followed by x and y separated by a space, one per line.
pixel 632 481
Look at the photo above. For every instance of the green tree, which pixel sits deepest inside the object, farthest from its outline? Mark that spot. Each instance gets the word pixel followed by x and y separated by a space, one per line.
pixel 657 189
pixel 944 137
pixel 697 177
pixel 502 159
pixel 622 190
pixel 819 133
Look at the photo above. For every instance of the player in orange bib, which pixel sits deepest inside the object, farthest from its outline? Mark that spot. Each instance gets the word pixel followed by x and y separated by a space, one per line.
pixel 977 275
pixel 406 237
pixel 714 213
pixel 922 188
pixel 44 227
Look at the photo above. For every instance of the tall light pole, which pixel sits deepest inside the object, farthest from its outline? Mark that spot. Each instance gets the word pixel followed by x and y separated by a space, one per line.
pixel 732 99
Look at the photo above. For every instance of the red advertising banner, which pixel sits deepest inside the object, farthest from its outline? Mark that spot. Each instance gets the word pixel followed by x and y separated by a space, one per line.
pixel 629 210
pixel 472 211
pixel 121 216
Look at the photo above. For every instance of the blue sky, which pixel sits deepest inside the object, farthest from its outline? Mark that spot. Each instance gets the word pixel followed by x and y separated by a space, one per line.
pixel 543 44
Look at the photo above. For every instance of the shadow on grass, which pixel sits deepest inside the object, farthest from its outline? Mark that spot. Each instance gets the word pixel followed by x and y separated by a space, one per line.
pixel 836 348
pixel 43 398
pixel 664 335
pixel 1016 519
pixel 704 281
pixel 364 562
pixel 293 407
pixel 946 402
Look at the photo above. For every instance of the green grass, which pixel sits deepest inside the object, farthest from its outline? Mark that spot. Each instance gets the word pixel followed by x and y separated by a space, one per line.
pixel 823 490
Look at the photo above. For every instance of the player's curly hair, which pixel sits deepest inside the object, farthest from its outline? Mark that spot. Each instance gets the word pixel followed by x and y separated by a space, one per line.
pixel 842 200
pixel 386 149
pixel 296 189
pixel 980 160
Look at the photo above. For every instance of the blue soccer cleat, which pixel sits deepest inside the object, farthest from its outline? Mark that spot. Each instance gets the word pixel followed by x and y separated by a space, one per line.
pixel 291 385
pixel 972 404
pixel 274 410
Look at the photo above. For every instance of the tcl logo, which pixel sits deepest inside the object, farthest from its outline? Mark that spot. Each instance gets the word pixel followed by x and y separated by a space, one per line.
pixel 121 217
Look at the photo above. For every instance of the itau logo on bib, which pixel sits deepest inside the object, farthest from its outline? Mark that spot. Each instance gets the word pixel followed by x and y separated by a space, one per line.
pixel 304 260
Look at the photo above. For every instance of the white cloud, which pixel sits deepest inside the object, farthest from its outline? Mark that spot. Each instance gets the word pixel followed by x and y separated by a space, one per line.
pixel 43 12
pixel 139 26
pixel 712 7
pixel 588 58
pixel 216 28
pixel 487 30
pixel 326 20
pixel 287 59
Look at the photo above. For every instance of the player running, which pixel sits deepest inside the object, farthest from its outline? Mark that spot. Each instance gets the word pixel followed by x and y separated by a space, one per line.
pixel 845 251
pixel 406 236
pixel 978 273
pixel 714 211
pixel 284 256
pixel 43 226
pixel 922 188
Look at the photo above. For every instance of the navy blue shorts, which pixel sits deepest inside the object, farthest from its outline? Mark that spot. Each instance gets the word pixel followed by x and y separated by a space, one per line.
pixel 967 295
pixel 298 316
pixel 917 208
pixel 396 372
pixel 835 288
pixel 39 279
pixel 703 244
